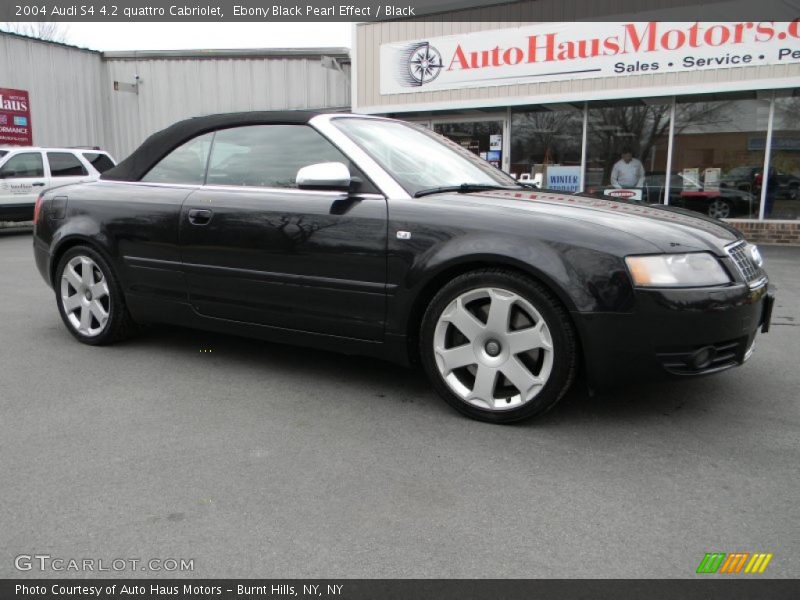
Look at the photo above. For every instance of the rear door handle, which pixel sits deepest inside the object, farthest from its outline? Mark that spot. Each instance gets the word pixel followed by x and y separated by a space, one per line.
pixel 199 216
pixel 38 184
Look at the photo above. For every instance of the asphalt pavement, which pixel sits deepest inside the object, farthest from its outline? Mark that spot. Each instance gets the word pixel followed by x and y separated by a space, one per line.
pixel 262 460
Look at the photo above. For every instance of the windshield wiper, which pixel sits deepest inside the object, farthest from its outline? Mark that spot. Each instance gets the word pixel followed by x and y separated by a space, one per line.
pixel 464 188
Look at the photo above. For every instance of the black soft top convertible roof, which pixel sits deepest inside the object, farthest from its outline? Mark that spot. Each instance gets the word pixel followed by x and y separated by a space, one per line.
pixel 161 143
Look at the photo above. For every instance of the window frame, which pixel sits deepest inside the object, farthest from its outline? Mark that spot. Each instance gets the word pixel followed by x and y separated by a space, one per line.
pixel 12 155
pixel 99 154
pixel 74 155
pixel 212 133
pixel 366 187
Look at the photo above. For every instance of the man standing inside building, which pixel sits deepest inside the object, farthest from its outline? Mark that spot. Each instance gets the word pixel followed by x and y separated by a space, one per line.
pixel 628 172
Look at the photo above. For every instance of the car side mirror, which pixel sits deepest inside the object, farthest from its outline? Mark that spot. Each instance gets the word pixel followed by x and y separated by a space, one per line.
pixel 324 176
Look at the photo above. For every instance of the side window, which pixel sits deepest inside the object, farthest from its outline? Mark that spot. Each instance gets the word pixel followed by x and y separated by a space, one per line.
pixel 100 162
pixel 268 155
pixel 65 164
pixel 186 164
pixel 27 164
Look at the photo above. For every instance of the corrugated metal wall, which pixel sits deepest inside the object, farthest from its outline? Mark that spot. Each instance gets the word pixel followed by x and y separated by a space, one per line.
pixel 173 89
pixel 66 88
pixel 73 102
pixel 369 37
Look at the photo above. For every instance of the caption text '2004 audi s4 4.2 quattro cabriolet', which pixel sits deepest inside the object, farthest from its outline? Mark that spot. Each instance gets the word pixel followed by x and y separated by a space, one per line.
pixel 378 237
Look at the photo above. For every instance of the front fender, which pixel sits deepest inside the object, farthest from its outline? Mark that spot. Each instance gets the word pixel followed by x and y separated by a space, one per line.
pixel 537 258
pixel 583 279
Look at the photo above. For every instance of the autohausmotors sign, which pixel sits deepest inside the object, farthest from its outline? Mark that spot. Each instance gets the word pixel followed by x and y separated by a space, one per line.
pixel 558 51
pixel 15 118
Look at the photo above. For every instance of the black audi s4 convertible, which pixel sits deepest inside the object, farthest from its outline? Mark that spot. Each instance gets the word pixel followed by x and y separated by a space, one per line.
pixel 372 236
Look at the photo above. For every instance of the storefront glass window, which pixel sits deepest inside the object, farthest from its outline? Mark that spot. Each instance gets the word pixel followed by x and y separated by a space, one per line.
pixel 626 149
pixel 718 155
pixel 546 146
pixel 783 183
pixel 484 138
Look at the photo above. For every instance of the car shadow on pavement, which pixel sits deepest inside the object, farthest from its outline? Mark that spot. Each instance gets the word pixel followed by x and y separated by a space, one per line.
pixel 295 361
pixel 629 402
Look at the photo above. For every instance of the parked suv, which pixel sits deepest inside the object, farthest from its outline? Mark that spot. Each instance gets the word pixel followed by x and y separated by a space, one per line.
pixel 26 172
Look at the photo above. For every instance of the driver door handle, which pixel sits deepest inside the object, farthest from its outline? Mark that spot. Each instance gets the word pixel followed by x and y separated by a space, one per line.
pixel 198 216
pixel 38 184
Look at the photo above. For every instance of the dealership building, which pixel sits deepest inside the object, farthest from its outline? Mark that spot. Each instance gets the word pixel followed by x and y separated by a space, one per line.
pixel 712 109
pixel 708 108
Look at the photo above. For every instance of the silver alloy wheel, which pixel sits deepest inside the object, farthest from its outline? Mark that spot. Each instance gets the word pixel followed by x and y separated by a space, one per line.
pixel 719 209
pixel 493 349
pixel 84 296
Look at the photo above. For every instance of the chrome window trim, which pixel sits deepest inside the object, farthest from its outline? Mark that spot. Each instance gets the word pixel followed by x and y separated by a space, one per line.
pixel 185 186
pixel 379 176
pixel 283 190
pixel 251 188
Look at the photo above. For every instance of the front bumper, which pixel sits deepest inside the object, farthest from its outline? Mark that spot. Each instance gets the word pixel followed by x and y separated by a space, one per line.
pixel 677 332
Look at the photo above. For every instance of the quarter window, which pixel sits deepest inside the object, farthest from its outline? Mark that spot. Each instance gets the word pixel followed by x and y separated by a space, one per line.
pixel 27 164
pixel 65 164
pixel 101 162
pixel 267 155
pixel 186 164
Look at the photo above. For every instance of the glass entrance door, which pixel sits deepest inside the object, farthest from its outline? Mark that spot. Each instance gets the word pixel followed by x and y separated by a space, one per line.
pixel 485 137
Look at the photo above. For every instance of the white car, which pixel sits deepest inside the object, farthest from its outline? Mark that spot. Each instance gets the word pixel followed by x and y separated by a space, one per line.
pixel 25 172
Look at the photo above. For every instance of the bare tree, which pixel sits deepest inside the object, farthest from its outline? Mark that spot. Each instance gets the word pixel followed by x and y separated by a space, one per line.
pixel 42 30
pixel 640 128
pixel 547 137
pixel 296 231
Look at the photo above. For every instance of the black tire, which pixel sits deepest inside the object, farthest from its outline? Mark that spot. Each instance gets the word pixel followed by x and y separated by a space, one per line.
pixel 562 332
pixel 119 324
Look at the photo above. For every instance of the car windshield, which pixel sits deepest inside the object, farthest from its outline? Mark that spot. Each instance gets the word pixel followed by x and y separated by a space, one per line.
pixel 419 159
pixel 3 153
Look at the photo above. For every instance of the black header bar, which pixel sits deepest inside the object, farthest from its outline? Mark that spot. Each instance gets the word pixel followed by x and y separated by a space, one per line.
pixel 705 588
pixel 381 10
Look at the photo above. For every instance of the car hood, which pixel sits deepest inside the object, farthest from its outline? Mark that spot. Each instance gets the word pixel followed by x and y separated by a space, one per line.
pixel 668 229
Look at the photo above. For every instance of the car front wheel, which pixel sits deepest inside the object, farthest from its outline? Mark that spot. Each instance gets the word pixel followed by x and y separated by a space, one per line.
pixel 89 298
pixel 498 346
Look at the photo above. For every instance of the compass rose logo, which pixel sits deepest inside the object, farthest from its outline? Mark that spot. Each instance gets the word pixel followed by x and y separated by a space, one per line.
pixel 421 64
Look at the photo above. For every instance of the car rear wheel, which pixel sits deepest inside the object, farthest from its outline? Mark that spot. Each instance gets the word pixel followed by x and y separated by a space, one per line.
pixel 720 209
pixel 89 298
pixel 498 346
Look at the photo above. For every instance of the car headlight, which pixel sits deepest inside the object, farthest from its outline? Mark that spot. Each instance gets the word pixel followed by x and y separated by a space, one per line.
pixel 696 269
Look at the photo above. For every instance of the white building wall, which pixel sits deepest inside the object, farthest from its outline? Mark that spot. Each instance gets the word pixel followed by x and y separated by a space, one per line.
pixel 174 89
pixel 73 101
pixel 66 88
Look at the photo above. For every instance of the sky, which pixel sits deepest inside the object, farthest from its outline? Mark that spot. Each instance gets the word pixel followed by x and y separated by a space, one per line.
pixel 190 36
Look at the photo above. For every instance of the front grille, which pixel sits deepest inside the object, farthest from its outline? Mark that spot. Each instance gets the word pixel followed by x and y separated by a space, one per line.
pixel 749 271
pixel 680 361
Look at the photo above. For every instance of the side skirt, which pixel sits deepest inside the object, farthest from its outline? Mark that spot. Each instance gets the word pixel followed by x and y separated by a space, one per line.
pixel 144 309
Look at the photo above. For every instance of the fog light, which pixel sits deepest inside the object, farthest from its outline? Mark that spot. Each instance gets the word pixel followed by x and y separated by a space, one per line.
pixel 701 358
pixel 749 352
